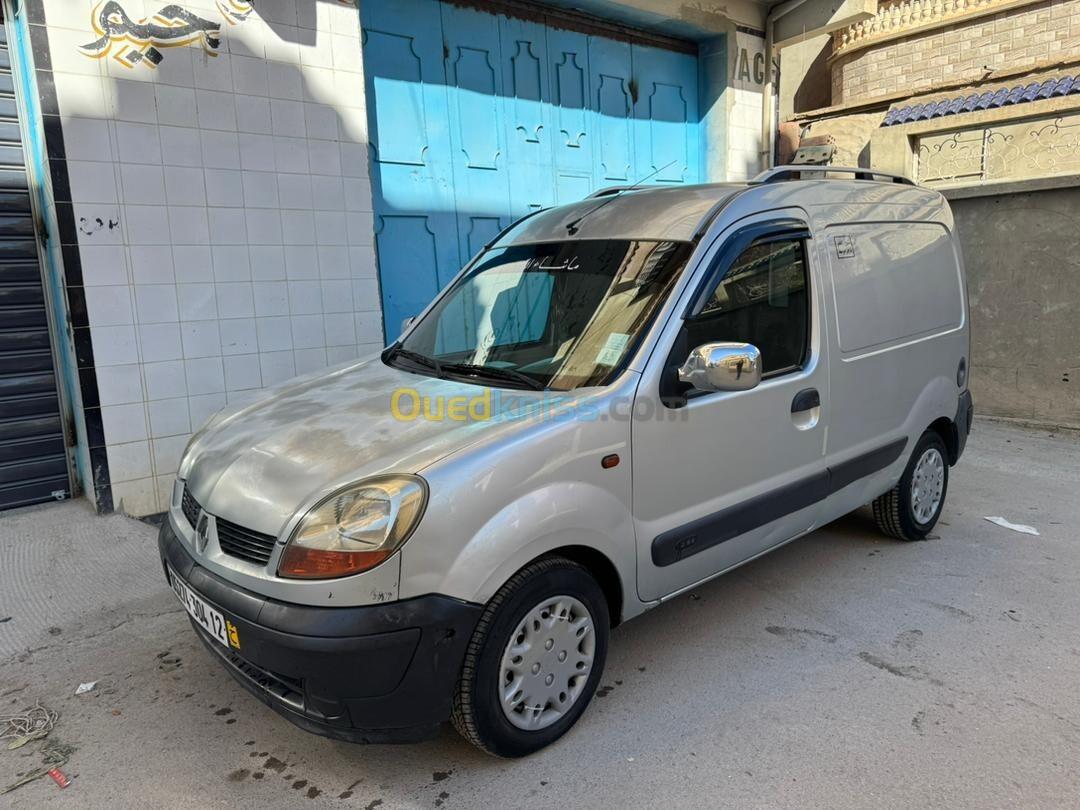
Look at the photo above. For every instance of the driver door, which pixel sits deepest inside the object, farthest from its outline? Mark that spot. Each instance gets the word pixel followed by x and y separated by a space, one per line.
pixel 729 474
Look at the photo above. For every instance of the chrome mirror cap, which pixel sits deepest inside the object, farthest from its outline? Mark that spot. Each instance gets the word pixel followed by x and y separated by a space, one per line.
pixel 722 367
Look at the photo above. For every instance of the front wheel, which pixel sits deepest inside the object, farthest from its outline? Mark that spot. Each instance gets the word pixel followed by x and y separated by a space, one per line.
pixel 534 660
pixel 909 510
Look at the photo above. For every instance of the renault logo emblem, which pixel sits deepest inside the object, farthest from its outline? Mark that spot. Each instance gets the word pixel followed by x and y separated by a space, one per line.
pixel 202 530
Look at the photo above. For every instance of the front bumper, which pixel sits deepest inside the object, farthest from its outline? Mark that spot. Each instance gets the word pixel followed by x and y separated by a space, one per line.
pixel 378 673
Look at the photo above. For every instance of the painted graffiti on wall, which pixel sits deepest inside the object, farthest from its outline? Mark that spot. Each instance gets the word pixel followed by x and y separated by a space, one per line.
pixel 140 42
pixel 750 66
pixel 235 11
pixel 747 57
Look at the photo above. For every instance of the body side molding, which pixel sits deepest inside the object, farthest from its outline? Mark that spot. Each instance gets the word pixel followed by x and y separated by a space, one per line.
pixel 712 530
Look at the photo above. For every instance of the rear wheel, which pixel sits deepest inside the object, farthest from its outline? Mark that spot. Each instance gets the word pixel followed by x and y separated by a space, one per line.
pixel 534 660
pixel 909 510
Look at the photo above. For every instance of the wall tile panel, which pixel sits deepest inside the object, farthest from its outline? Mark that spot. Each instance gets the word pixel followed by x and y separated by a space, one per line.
pixel 200 282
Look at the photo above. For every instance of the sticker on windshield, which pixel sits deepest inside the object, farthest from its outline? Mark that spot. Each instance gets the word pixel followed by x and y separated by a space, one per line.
pixel 613 349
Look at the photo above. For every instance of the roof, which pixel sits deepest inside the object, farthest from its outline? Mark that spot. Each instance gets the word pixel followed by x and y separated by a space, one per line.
pixel 988 100
pixel 672 213
pixel 681 213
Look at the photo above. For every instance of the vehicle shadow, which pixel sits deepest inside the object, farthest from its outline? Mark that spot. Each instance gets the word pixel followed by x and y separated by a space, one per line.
pixel 731 612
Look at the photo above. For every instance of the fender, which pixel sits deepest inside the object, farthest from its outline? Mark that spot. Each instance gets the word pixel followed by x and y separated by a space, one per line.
pixel 938 399
pixel 535 523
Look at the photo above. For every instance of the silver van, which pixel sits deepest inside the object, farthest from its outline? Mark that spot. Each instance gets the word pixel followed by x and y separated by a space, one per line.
pixel 615 401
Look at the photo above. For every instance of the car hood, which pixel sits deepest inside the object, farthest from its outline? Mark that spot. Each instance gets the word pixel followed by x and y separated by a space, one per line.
pixel 256 464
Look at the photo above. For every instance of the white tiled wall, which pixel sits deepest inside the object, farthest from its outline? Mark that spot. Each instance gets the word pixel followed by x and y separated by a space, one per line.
pixel 224 214
pixel 745 91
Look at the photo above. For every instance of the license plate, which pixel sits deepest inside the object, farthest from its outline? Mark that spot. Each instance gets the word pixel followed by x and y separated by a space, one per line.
pixel 208 618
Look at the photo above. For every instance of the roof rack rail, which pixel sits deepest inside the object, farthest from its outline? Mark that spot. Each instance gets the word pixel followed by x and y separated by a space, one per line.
pixel 607 192
pixel 780 173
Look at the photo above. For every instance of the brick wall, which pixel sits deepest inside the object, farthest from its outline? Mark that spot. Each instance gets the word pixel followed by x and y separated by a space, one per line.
pixel 1013 39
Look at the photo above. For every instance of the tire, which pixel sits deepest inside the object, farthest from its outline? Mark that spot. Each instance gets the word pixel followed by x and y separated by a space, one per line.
pixel 489 669
pixel 909 510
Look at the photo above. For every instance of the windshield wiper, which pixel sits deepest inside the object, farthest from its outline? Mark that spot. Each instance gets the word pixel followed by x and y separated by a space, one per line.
pixel 467 369
pixel 419 359
pixel 492 372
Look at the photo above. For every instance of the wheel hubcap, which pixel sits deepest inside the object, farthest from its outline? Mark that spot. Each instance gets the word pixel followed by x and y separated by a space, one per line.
pixel 547 662
pixel 927 484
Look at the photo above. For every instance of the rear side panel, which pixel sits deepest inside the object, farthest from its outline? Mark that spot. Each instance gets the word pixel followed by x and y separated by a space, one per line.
pixel 901 330
pixel 893 283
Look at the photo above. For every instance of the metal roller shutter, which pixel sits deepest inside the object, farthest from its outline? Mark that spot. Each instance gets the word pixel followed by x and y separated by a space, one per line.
pixel 33 457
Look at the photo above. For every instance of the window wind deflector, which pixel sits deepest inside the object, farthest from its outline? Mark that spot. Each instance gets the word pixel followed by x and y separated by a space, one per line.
pixel 759 233
pixel 797 231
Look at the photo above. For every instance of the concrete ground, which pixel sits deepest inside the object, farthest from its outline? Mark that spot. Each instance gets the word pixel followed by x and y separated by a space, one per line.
pixel 845 670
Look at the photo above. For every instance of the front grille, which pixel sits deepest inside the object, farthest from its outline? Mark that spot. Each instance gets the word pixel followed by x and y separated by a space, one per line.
pixel 236 541
pixel 190 507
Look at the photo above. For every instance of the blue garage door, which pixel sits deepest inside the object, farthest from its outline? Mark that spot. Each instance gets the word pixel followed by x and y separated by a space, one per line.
pixel 477 119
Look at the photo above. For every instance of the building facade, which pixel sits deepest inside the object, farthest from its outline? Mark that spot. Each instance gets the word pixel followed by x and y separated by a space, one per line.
pixel 982 100
pixel 205 199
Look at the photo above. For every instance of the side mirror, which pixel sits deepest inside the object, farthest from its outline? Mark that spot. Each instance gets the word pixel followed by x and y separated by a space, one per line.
pixel 407 322
pixel 722 367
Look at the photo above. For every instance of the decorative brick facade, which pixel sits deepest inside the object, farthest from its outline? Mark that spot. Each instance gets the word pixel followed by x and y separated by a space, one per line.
pixel 959 51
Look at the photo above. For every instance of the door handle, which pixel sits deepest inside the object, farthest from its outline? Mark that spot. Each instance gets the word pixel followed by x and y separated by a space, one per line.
pixel 805 400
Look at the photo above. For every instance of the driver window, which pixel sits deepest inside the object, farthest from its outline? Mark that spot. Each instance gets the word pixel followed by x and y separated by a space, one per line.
pixel 762 300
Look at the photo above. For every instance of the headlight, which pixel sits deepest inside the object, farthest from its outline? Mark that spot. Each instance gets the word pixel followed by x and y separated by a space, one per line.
pixel 355 529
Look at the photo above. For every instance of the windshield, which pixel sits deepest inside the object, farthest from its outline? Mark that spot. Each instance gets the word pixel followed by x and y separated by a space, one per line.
pixel 556 315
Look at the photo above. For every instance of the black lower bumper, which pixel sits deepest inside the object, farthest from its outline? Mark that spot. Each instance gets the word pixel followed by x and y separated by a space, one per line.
pixel 965 412
pixel 378 673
